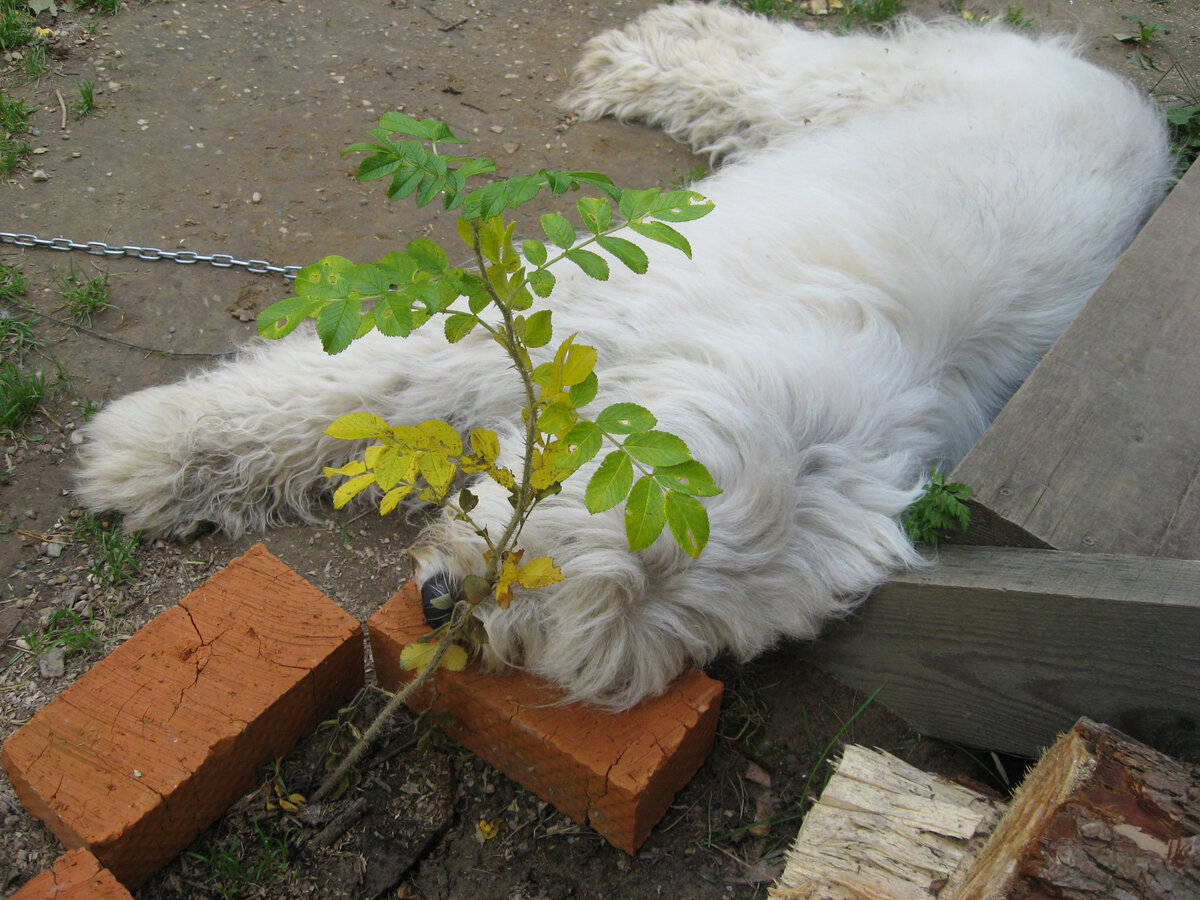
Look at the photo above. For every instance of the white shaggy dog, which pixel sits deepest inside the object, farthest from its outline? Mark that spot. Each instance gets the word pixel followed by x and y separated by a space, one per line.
pixel 903 226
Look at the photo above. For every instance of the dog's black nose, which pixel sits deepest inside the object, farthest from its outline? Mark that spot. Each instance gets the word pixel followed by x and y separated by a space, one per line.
pixel 439 593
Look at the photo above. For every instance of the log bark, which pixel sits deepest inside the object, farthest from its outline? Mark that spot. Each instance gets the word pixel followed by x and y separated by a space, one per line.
pixel 1101 816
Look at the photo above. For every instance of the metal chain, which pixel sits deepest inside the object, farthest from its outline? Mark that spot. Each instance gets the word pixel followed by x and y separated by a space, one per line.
pixel 183 257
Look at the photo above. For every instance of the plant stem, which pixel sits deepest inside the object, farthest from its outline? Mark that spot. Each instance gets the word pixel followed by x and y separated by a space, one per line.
pixel 359 750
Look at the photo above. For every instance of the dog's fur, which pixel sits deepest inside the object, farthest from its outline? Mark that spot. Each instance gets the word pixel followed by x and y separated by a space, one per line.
pixel 903 226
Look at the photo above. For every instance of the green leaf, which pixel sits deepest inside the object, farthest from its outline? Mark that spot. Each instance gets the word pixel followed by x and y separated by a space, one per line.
pixel 688 520
pixel 459 325
pixel 586 439
pixel 626 418
pixel 657 448
pixel 633 256
pixel 610 483
pixel 338 324
pixel 378 165
pixel 541 282
pixel 645 513
pixel 556 418
pixel 688 477
pixel 428 256
pixel 284 316
pixel 538 329
pixel 393 314
pixel 596 214
pixel 634 203
pixel 326 279
pixel 593 264
pixel 534 251
pixel 427 129
pixel 683 206
pixel 558 230
pixel 585 392
pixel 664 234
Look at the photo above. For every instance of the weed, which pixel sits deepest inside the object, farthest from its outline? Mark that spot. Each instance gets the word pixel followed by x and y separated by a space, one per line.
pixel 1014 17
pixel 104 7
pixel 13 115
pixel 113 551
pixel 12 154
pixel 17 336
pixel 685 178
pixel 1142 40
pixel 36 61
pixel 858 13
pixel 67 630
pixel 236 867
pixel 84 297
pixel 16 25
pixel 776 8
pixel 20 395
pixel 88 409
pixel 12 283
pixel 86 104
pixel 941 510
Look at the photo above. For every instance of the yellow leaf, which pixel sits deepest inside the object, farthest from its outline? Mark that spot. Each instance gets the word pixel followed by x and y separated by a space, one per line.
pixel 442 435
pixel 508 577
pixel 419 654
pixel 354 467
pixel 358 425
pixel 392 499
pixel 352 488
pixel 544 476
pixel 487 829
pixel 437 469
pixel 502 476
pixel 485 444
pixel 539 572
pixel 296 798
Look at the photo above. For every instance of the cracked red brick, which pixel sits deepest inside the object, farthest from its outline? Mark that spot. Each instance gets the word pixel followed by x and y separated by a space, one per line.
pixel 152 744
pixel 616 772
pixel 76 875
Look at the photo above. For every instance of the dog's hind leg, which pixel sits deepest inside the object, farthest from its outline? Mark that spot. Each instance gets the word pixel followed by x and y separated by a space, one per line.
pixel 724 81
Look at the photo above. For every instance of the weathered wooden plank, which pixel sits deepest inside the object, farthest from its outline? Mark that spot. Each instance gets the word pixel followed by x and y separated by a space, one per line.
pixel 1099 451
pixel 1005 648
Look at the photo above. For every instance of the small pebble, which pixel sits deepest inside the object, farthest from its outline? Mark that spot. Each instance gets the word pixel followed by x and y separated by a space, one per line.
pixel 40 175
pixel 53 663
pixel 256 197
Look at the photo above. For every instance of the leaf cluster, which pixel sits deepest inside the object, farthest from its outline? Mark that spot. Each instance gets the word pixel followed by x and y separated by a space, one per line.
pixel 941 510
pixel 648 469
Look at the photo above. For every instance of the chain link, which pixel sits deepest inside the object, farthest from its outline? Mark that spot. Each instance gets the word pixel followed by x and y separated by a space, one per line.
pixel 183 257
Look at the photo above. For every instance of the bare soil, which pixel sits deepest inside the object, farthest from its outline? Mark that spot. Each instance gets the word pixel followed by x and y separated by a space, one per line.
pixel 218 131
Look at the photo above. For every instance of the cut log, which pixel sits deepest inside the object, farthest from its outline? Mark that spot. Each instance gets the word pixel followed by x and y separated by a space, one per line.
pixel 1101 816
pixel 885 830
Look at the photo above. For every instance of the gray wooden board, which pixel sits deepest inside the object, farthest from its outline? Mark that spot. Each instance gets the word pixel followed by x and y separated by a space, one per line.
pixel 1099 451
pixel 1004 648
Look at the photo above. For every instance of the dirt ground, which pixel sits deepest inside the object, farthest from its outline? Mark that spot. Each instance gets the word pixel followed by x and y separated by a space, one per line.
pixel 218 131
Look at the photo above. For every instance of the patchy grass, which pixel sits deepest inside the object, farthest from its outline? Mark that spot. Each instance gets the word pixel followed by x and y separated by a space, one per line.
pixel 14 115
pixel 66 629
pixel 16 24
pixel 113 551
pixel 20 395
pixel 86 104
pixel 236 866
pixel 84 297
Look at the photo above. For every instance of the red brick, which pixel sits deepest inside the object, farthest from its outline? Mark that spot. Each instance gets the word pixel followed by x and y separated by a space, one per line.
pixel 152 744
pixel 616 772
pixel 76 875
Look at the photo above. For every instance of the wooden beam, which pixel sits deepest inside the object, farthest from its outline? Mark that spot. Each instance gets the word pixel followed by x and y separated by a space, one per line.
pixel 1099 451
pixel 1005 648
